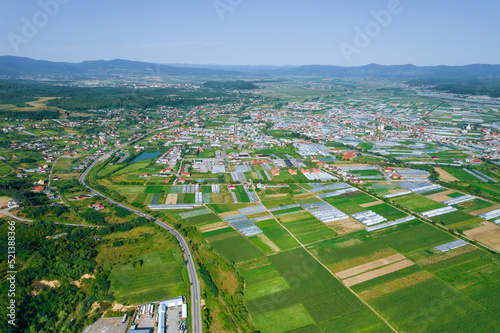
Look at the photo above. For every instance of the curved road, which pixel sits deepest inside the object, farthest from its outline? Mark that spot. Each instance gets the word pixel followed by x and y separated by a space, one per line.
pixel 193 277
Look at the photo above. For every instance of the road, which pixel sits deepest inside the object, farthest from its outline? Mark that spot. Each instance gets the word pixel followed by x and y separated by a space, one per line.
pixel 193 276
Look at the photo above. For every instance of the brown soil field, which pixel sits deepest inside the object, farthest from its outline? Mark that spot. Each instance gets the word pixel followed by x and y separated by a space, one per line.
pixel 171 199
pixel 378 272
pixel 346 226
pixel 370 266
pixel 228 214
pixel 361 260
pixel 369 204
pixel 445 175
pixel 4 201
pixel 441 196
pixel 488 234
pixel 212 227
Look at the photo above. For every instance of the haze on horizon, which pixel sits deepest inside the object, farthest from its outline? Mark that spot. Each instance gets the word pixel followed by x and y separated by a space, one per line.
pixel 242 32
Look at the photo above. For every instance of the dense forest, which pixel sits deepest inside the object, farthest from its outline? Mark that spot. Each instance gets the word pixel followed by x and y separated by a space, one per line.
pixel 230 85
pixel 488 86
pixel 51 252
pixel 29 115
pixel 21 190
pixel 94 98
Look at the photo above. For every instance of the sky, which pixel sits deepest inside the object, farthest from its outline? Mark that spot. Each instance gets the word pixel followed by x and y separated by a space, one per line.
pixel 254 32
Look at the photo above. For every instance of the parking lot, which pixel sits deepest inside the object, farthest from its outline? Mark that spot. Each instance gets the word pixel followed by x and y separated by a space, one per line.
pixel 146 320
pixel 173 318
pixel 107 325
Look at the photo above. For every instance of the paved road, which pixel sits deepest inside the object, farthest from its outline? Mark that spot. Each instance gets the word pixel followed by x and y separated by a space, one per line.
pixel 193 277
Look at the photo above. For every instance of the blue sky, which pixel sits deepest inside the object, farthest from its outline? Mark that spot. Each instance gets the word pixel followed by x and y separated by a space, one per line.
pixel 254 32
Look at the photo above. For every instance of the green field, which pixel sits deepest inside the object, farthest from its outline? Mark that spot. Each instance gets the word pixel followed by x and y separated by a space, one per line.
pixel 433 306
pixel 473 205
pixel 405 238
pixel 277 234
pixel 308 229
pixel 237 249
pixel 241 194
pixel 387 211
pixel 284 320
pixel 460 174
pixel 457 219
pixel 292 283
pixel 161 272
pixel 418 203
pixel 159 275
pixel 365 172
pixel 278 201
pixel 350 203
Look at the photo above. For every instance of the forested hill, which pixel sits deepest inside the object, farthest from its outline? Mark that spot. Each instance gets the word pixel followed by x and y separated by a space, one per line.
pixel 19 67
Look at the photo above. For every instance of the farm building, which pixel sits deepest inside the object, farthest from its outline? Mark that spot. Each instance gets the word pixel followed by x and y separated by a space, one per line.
pixel 451 245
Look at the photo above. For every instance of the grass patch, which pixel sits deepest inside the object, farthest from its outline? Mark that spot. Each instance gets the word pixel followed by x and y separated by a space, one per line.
pixel 309 229
pixel 277 234
pixel 418 203
pixel 283 320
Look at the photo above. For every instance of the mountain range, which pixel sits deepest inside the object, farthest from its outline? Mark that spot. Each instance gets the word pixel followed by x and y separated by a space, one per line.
pixel 12 67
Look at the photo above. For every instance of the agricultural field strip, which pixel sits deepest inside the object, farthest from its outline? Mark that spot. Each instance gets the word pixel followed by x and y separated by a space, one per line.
pixel 370 266
pixel 370 275
pixel 396 285
pixel 404 263
pixel 490 214
pixel 352 291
